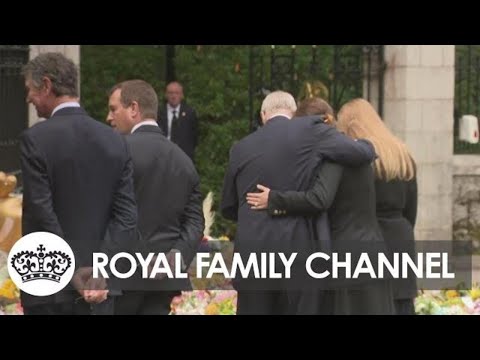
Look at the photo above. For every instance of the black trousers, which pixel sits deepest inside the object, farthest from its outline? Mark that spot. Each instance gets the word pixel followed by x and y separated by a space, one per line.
pixel 74 307
pixel 284 303
pixel 262 303
pixel 404 306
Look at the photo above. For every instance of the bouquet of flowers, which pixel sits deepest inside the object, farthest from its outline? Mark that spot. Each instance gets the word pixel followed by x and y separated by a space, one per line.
pixel 9 293
pixel 215 295
pixel 205 302
pixel 449 302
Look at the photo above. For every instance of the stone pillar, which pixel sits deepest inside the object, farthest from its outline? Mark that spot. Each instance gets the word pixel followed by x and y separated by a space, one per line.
pixel 419 99
pixel 371 76
pixel 71 51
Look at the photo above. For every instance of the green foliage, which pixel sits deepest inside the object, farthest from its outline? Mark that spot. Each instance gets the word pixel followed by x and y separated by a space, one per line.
pixel 215 79
pixel 467 92
pixel 462 147
pixel 103 66
pixel 212 161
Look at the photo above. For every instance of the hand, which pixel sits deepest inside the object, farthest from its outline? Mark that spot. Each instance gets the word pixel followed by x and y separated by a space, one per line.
pixel 95 296
pixel 151 264
pixel 92 290
pixel 259 201
pixel 80 279
pixel 171 258
pixel 96 291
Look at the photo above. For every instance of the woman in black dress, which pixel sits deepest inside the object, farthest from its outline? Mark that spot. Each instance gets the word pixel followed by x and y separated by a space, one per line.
pixel 395 187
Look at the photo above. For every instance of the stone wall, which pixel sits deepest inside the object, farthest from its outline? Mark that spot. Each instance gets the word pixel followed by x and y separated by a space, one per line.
pixel 419 93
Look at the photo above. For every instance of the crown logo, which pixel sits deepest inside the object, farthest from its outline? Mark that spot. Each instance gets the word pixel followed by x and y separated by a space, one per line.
pixel 41 265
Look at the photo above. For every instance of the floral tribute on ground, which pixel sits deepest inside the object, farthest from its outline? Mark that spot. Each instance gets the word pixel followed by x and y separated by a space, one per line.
pixel 9 293
pixel 449 302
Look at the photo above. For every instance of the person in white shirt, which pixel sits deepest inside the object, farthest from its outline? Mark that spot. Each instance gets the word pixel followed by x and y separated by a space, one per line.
pixel 177 120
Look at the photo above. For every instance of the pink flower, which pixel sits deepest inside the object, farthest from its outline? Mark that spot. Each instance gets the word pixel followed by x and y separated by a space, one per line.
pixel 223 295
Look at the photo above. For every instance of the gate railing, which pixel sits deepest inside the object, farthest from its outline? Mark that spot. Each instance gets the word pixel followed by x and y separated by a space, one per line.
pixel 337 73
pixel 13 108
pixel 467 92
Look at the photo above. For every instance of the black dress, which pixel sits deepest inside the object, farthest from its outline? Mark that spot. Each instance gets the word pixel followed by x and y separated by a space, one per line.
pixel 396 213
pixel 349 195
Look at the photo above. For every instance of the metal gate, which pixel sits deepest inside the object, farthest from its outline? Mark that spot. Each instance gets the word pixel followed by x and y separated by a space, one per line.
pixel 13 108
pixel 335 72
pixel 467 92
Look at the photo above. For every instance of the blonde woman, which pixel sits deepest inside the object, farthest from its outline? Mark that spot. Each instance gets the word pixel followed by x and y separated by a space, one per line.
pixel 395 187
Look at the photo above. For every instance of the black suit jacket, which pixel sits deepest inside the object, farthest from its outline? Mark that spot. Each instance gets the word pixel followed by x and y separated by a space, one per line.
pixel 77 176
pixel 348 193
pixel 167 189
pixel 185 134
pixel 284 155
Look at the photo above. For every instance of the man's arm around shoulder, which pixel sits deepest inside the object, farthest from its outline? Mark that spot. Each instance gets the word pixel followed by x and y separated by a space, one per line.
pixel 340 148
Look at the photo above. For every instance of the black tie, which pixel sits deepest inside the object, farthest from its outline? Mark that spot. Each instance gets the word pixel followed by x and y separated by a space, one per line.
pixel 174 125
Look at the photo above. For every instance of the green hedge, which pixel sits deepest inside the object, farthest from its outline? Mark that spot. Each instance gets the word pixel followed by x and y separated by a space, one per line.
pixel 103 66
pixel 215 79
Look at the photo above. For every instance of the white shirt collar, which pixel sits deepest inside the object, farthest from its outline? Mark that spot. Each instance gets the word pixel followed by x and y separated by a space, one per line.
pixel 144 122
pixel 171 108
pixel 280 114
pixel 65 105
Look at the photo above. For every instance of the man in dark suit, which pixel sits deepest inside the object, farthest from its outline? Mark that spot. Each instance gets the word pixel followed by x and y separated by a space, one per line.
pixel 167 189
pixel 77 178
pixel 285 153
pixel 178 121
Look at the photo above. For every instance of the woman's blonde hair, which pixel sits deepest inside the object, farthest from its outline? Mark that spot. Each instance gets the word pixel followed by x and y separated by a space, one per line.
pixel 358 119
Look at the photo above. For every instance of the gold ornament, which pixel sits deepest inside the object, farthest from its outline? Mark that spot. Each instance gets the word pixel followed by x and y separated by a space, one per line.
pixel 10 213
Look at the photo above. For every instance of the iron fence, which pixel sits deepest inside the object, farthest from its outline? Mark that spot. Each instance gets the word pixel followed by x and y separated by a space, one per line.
pixel 467 92
pixel 337 73
pixel 13 108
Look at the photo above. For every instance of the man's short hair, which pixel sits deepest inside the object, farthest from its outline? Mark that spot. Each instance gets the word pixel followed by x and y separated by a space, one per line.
pixel 61 71
pixel 141 92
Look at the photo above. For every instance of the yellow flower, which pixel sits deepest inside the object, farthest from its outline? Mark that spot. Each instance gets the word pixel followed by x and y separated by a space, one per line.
pixel 211 309
pixel 9 291
pixel 453 301
pixel 452 294
pixel 475 293
pixel 223 238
